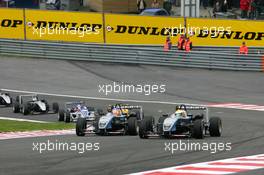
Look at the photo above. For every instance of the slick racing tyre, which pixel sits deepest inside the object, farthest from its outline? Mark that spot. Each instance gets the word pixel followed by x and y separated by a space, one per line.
pixel 100 112
pixel 146 126
pixel 25 109
pixel 55 107
pixel 132 128
pixel 215 127
pixel 61 115
pixel 160 124
pixel 98 131
pixel 80 126
pixel 198 131
pixel 16 108
pixel 67 117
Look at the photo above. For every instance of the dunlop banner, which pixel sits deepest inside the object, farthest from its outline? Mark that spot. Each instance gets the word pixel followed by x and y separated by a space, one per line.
pixel 64 26
pixel 11 23
pixel 216 32
pixel 128 29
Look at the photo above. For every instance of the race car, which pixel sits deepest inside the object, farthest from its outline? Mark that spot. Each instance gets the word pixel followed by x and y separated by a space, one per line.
pixel 181 123
pixel 5 99
pixel 119 119
pixel 73 110
pixel 30 104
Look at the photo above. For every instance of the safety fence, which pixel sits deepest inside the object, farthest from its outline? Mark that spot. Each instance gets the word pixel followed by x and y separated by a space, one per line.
pixel 134 55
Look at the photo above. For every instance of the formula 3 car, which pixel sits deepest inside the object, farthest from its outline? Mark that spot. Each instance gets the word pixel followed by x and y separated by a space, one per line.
pixel 30 104
pixel 182 124
pixel 120 119
pixel 5 99
pixel 73 110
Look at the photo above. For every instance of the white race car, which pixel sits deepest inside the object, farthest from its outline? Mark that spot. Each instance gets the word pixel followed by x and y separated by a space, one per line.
pixel 5 99
pixel 74 110
pixel 29 104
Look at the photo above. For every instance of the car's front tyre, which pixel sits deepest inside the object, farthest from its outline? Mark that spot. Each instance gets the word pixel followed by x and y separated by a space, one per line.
pixel 80 126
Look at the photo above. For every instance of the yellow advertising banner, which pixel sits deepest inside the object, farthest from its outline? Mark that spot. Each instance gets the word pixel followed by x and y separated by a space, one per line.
pixel 11 23
pixel 217 32
pixel 64 26
pixel 128 29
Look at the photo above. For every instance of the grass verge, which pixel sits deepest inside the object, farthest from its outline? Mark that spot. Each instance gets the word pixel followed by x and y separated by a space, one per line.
pixel 12 126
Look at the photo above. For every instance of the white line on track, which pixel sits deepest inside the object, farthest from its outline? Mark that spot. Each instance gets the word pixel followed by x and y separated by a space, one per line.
pixel 94 98
pixel 239 106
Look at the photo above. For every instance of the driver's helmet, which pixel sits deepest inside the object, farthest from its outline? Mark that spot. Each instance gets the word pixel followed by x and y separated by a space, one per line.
pixel 177 108
pixel 34 98
pixel 84 108
pixel 116 112
pixel 125 111
pixel 180 113
pixel 109 108
pixel 78 107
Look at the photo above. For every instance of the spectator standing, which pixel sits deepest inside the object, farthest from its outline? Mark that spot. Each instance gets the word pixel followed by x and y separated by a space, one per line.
pixel 204 3
pixel 225 6
pixel 217 8
pixel 181 42
pixel 243 49
pixel 155 4
pixel 187 46
pixel 167 6
pixel 167 45
pixel 252 9
pixel 244 6
pixel 141 5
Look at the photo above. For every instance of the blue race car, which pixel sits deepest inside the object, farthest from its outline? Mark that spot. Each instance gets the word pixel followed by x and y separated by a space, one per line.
pixel 182 124
pixel 120 119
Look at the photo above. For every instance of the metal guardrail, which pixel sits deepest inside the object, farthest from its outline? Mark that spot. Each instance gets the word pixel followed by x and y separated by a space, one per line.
pixel 134 55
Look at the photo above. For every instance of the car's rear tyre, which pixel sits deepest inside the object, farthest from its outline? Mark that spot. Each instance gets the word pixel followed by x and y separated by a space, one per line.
pixel 80 126
pixel 198 129
pixel 67 117
pixel 98 131
pixel 25 109
pixel 61 115
pixel 55 107
pixel 100 112
pixel 146 126
pixel 160 124
pixel 132 126
pixel 215 127
pixel 16 108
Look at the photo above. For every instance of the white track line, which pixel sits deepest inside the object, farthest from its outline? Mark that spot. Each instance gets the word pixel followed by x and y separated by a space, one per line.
pixel 220 105
pixel 94 98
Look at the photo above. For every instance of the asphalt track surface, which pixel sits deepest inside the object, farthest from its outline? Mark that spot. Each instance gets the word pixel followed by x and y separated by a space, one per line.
pixel 129 154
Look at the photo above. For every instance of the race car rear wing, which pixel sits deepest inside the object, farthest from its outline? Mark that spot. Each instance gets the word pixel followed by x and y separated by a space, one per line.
pixel 74 102
pixel 21 97
pixel 203 108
